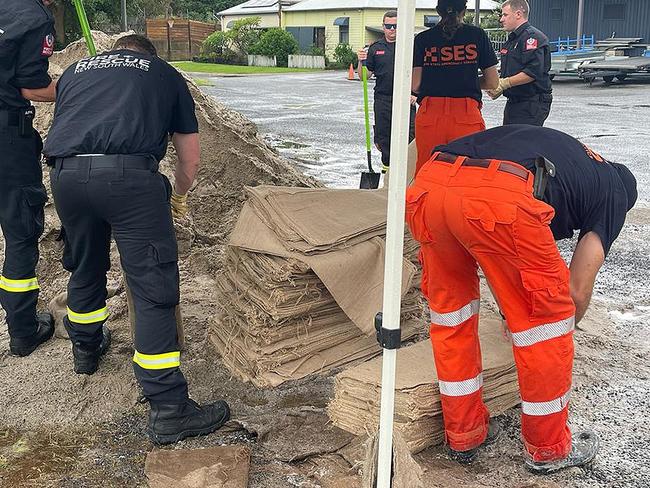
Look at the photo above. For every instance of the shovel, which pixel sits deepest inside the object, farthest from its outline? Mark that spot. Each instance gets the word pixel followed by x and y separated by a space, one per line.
pixel 370 179
pixel 85 27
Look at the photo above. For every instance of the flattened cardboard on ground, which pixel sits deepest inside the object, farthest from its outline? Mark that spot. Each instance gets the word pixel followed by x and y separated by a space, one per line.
pixel 418 413
pixel 354 276
pixel 406 472
pixel 214 467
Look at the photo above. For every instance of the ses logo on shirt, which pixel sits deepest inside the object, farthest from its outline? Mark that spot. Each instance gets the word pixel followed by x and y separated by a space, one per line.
pixel 451 55
pixel 48 46
pixel 110 61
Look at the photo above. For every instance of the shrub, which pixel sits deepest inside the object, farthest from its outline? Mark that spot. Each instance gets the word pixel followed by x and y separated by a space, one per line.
pixel 344 56
pixel 276 42
pixel 244 34
pixel 215 44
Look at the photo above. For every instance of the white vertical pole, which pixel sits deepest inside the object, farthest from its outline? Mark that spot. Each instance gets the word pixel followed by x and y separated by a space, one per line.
pixel 395 228
pixel 477 13
pixel 581 17
pixel 125 22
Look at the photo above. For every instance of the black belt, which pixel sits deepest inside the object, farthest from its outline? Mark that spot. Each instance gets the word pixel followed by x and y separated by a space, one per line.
pixel 540 97
pixel 107 161
pixel 504 166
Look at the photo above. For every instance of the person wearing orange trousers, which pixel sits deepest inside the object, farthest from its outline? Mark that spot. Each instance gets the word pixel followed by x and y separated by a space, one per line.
pixel 446 63
pixel 472 205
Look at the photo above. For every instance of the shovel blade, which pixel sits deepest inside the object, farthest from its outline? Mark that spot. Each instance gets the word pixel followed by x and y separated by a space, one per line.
pixel 369 181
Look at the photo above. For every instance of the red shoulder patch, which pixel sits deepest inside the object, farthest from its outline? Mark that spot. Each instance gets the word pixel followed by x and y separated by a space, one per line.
pixel 504 51
pixel 48 46
pixel 380 52
pixel 531 44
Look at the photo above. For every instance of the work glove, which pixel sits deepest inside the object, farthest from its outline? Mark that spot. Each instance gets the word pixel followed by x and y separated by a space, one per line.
pixel 504 84
pixel 179 205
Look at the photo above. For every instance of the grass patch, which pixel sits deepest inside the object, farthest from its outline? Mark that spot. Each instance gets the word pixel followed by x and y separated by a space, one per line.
pixel 202 82
pixel 230 69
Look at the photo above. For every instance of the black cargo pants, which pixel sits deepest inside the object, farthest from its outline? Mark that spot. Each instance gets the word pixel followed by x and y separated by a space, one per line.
pixel 531 111
pixel 126 196
pixel 22 199
pixel 383 109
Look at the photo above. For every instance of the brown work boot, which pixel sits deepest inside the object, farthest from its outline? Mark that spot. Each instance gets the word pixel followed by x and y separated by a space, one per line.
pixel 584 446
pixel 467 457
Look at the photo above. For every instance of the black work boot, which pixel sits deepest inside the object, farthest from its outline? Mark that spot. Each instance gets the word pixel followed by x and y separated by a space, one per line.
pixel 173 423
pixel 584 446
pixel 24 346
pixel 467 457
pixel 86 361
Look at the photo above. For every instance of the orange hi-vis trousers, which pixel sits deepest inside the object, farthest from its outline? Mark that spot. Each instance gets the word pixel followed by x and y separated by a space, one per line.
pixel 440 120
pixel 468 213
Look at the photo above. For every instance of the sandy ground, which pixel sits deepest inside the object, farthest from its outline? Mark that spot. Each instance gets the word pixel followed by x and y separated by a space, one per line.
pixel 59 430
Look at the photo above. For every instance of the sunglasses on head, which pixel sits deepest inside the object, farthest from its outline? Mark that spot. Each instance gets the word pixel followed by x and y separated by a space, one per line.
pixel 390 26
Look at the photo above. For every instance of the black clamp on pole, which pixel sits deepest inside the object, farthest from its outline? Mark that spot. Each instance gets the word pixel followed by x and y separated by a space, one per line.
pixel 387 338
pixel 543 169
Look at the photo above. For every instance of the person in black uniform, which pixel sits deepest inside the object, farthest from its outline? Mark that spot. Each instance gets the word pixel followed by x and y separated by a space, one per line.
pixel 380 60
pixel 525 66
pixel 476 197
pixel 26 43
pixel 114 114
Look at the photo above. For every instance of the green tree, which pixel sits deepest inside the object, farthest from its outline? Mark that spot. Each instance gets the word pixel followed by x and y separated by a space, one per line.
pixel 276 42
pixel 244 34
pixel 344 56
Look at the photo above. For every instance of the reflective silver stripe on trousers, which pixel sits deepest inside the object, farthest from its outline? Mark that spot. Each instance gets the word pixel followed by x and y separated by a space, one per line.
pixel 543 332
pixel 461 388
pixel 457 317
pixel 539 409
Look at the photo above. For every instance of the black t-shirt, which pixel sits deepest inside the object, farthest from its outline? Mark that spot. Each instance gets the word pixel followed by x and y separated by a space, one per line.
pixel 26 43
pixel 450 66
pixel 381 61
pixel 527 51
pixel 586 193
pixel 119 102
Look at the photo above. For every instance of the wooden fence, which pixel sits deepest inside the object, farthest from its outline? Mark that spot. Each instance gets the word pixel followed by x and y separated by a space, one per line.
pixel 178 39
pixel 303 61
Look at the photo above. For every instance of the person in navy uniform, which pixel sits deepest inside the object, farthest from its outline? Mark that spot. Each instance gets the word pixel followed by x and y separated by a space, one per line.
pixel 115 113
pixel 525 66
pixel 380 60
pixel 26 43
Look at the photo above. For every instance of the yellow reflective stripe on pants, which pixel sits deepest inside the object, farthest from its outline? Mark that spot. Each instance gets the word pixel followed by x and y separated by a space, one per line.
pixel 89 317
pixel 158 361
pixel 18 286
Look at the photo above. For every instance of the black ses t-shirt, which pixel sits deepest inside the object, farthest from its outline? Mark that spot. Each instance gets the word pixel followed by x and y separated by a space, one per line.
pixel 381 61
pixel 450 66
pixel 119 102
pixel 586 193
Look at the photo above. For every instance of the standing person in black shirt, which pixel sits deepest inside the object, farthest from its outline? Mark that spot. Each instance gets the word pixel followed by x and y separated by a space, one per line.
pixel 26 43
pixel 380 60
pixel 474 205
pixel 525 66
pixel 446 63
pixel 113 117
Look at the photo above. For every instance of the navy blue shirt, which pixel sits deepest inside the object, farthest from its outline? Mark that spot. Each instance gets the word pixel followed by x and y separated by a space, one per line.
pixel 450 66
pixel 527 50
pixel 119 102
pixel 586 193
pixel 381 61
pixel 26 43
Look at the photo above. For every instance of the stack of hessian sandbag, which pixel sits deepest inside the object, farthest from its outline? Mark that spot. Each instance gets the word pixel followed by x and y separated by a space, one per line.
pixel 303 280
pixel 418 413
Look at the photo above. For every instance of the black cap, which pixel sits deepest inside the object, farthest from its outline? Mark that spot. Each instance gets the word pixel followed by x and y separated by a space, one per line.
pixel 629 183
pixel 451 6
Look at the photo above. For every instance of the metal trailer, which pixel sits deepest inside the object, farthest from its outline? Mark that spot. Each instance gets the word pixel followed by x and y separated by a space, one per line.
pixel 617 67
pixel 568 64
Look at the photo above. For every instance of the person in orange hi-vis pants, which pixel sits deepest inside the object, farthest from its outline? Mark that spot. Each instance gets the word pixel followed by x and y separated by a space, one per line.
pixel 472 205
pixel 446 63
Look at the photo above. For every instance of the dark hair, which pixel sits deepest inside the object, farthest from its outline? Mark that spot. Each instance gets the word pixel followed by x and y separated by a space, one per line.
pixel 137 43
pixel 450 12
pixel 391 13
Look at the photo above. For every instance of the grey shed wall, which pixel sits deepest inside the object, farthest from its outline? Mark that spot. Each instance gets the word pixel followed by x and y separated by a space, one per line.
pixel 559 18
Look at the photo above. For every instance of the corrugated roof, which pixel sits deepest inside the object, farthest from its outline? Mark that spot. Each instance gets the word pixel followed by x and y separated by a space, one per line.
pixel 306 5
pixel 256 7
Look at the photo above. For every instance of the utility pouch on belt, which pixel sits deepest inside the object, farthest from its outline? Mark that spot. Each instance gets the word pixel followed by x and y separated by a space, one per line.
pixel 543 169
pixel 26 121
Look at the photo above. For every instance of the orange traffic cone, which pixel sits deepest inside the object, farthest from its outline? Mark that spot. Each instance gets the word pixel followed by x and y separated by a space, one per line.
pixel 351 72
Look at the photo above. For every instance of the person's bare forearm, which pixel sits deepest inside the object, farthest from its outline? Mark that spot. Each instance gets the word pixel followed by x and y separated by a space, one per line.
pixel 189 156
pixel 47 94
